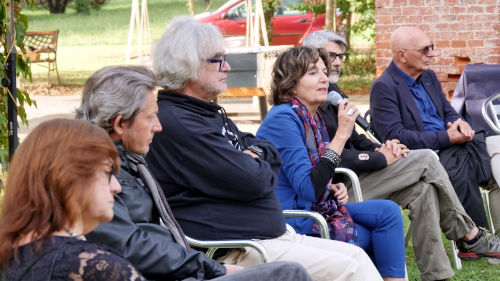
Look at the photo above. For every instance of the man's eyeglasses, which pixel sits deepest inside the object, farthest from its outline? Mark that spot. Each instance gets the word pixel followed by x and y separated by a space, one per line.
pixel 220 61
pixel 425 50
pixel 334 56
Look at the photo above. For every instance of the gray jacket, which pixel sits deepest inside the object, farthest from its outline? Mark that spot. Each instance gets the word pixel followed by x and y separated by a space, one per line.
pixel 136 234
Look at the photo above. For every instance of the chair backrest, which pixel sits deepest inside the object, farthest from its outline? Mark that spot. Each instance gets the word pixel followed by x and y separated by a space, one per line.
pixel 41 41
pixel 491 112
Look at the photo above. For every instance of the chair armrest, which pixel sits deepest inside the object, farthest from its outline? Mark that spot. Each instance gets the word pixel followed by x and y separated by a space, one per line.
pixel 318 218
pixel 358 196
pixel 213 245
pixel 489 107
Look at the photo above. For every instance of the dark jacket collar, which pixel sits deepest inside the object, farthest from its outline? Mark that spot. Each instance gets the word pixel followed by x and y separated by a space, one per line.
pixel 189 103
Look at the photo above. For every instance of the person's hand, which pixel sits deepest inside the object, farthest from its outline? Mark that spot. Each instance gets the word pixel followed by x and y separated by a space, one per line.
pixel 348 112
pixel 251 153
pixel 231 268
pixel 455 135
pixel 393 150
pixel 347 115
pixel 340 192
pixel 465 128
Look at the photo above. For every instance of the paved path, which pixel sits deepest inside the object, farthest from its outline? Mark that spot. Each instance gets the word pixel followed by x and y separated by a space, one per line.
pixel 244 111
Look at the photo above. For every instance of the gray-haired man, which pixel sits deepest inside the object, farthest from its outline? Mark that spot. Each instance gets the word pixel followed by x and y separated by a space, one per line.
pixel 120 99
pixel 416 180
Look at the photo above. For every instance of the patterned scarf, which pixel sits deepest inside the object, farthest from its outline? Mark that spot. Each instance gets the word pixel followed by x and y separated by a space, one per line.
pixel 316 135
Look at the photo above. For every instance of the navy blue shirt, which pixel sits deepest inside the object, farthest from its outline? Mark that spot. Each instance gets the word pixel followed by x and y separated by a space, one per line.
pixel 432 121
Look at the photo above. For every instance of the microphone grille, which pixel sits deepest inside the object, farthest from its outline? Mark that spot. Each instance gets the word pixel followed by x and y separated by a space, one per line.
pixel 334 98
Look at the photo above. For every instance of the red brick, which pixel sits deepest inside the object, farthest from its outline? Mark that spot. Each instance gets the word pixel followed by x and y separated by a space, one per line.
pixel 475 9
pixel 450 2
pixel 457 10
pixel 399 20
pixel 465 18
pixel 443 26
pixel 458 44
pixel 416 3
pixel 465 35
pixel 442 76
pixel 486 18
pixel 477 60
pixel 396 3
pixel 382 36
pixel 382 3
pixel 388 11
pixel 481 51
pixel 493 59
pixel 448 18
pixel 491 9
pixel 487 2
pixel 411 11
pixel 444 60
pixel 465 52
pixel 450 35
pixel 383 19
pixel 430 18
pixel 442 43
pixel 415 20
pixel 475 43
pixel 484 34
pixel 461 60
pixel 434 2
pixel 382 45
pixel 380 70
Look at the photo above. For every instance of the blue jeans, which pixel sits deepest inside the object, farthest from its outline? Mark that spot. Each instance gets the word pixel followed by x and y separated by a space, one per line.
pixel 380 233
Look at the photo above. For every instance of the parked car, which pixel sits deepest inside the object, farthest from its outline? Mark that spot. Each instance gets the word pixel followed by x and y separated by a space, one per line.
pixel 290 26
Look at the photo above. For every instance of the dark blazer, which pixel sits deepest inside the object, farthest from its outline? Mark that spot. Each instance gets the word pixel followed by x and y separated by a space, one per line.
pixel 394 114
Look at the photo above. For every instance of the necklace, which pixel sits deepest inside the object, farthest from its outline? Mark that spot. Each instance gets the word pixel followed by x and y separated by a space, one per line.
pixel 73 234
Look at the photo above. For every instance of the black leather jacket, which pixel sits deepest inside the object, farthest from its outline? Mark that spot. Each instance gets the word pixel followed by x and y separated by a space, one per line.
pixel 136 234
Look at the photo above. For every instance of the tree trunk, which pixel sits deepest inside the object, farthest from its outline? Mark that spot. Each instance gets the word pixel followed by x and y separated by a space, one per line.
pixel 330 15
pixel 348 28
pixel 57 6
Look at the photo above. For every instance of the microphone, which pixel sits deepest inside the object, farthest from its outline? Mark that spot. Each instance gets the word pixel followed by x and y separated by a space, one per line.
pixel 335 97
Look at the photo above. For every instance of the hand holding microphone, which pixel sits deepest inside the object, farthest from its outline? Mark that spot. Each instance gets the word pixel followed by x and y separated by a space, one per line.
pixel 335 98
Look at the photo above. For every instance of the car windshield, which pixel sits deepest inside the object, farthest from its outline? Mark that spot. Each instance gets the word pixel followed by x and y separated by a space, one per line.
pixel 285 8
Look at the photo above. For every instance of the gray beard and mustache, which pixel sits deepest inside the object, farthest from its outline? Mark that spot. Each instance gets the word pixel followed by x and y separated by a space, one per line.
pixel 334 77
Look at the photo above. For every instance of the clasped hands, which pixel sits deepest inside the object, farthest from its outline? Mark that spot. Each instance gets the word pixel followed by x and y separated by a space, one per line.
pixel 459 132
pixel 393 150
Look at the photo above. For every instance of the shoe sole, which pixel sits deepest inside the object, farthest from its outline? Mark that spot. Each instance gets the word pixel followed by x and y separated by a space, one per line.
pixel 471 256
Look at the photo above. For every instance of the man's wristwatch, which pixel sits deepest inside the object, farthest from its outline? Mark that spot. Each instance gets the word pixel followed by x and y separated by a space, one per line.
pixel 257 150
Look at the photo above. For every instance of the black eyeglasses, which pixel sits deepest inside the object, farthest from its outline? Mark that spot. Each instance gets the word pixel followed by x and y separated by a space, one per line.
pixel 334 56
pixel 220 61
pixel 425 50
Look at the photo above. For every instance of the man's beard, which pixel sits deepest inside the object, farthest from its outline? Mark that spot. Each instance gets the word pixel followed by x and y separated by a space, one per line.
pixel 334 77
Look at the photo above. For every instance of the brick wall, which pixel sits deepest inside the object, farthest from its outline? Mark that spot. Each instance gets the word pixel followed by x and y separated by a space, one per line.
pixel 463 31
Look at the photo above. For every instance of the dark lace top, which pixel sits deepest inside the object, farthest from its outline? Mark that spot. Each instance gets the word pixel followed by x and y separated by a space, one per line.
pixel 66 258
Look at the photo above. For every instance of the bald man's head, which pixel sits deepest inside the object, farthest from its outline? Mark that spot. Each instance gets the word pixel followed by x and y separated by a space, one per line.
pixel 412 50
pixel 407 37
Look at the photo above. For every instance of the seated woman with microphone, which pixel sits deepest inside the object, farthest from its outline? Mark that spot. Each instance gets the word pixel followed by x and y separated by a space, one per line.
pixel 294 126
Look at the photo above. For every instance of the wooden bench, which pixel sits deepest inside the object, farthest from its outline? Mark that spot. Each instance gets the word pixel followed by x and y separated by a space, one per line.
pixel 41 47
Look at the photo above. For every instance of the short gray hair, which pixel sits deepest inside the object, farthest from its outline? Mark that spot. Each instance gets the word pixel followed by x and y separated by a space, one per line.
pixel 115 90
pixel 181 49
pixel 318 39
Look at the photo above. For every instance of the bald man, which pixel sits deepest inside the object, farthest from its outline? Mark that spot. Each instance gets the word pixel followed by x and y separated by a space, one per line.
pixel 407 103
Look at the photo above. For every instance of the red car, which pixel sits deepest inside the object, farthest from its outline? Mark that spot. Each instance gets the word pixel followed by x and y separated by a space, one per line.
pixel 290 25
